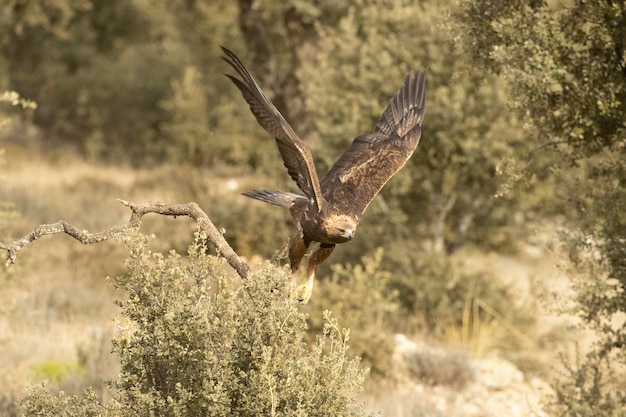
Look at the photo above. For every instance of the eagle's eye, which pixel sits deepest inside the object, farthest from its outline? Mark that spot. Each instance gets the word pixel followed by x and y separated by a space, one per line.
pixel 346 233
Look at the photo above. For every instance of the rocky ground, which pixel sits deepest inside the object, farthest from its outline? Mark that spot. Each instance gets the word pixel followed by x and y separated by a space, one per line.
pixel 460 386
pixel 439 380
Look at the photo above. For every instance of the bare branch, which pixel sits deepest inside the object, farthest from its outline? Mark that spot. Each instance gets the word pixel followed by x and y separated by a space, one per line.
pixel 138 211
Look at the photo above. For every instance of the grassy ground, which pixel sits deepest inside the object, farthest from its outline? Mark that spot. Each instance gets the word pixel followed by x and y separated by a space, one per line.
pixel 56 307
pixel 55 319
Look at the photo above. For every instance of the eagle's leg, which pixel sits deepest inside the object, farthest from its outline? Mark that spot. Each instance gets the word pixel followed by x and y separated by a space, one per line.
pixel 297 249
pixel 317 257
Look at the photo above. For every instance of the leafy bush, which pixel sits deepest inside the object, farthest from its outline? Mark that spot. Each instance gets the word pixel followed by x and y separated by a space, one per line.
pixel 591 386
pixel 448 299
pixel 564 69
pixel 359 295
pixel 592 383
pixel 41 403
pixel 192 342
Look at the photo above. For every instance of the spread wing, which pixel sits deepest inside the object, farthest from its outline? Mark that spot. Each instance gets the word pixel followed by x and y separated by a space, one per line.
pixel 296 155
pixel 373 158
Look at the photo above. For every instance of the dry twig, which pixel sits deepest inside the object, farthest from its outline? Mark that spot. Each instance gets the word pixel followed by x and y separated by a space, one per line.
pixel 205 226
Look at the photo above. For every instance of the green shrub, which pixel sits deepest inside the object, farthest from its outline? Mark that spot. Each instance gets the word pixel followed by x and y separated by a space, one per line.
pixel 41 403
pixel 449 300
pixel 591 386
pixel 359 296
pixel 440 367
pixel 194 342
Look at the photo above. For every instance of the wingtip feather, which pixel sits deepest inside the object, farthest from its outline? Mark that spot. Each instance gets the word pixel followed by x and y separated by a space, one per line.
pixel 406 108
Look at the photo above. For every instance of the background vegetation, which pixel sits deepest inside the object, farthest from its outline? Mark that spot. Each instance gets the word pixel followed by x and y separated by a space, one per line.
pixel 566 69
pixel 215 348
pixel 522 144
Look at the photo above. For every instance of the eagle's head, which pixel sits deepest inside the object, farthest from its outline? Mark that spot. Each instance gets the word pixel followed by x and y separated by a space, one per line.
pixel 340 228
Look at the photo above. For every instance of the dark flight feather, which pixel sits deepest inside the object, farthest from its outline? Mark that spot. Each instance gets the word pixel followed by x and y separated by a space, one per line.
pixel 296 155
pixel 373 158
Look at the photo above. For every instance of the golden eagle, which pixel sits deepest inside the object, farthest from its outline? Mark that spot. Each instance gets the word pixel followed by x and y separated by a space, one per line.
pixel 330 210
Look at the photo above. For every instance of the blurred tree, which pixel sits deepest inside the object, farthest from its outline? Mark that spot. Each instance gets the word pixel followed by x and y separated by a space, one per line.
pixel 453 190
pixel 99 69
pixel 108 75
pixel 283 37
pixel 446 195
pixel 8 100
pixel 200 27
pixel 188 126
pixel 565 66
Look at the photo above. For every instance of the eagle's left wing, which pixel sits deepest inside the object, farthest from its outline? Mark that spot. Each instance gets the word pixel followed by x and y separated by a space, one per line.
pixel 373 158
pixel 296 155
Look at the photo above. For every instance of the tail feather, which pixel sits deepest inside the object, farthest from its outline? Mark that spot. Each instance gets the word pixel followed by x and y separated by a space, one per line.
pixel 277 198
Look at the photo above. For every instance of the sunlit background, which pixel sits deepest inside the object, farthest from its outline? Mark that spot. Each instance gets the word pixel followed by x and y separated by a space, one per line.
pixel 485 280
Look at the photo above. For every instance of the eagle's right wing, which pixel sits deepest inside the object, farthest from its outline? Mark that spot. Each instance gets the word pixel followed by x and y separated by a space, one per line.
pixel 296 155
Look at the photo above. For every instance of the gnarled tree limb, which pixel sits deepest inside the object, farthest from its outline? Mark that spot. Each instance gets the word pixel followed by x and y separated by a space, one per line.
pixel 138 211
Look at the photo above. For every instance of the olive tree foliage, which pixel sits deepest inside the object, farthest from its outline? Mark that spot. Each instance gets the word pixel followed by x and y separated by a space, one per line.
pixel 193 341
pixel 87 62
pixel 107 73
pixel 446 195
pixel 348 59
pixel 565 66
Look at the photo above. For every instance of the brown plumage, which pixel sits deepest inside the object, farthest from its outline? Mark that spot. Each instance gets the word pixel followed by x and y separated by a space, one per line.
pixel 330 210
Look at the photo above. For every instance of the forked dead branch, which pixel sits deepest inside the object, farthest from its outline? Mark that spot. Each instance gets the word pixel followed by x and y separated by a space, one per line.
pixel 192 210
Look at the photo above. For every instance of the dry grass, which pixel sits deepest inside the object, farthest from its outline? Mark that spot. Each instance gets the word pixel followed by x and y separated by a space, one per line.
pixel 56 306
pixel 55 303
